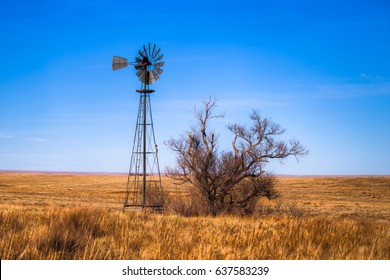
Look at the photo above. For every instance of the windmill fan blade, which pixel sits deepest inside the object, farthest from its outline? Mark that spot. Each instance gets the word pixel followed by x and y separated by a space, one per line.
pixel 151 78
pixel 159 58
pixel 159 64
pixel 154 49
pixel 138 59
pixel 141 54
pixel 149 51
pixel 119 63
pixel 155 74
pixel 156 53
pixel 139 73
pixel 158 69
pixel 145 51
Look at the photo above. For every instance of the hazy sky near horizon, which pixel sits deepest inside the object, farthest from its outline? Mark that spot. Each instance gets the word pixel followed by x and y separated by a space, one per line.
pixel 321 69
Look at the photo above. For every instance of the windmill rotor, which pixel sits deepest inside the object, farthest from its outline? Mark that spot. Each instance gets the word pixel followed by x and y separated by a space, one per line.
pixel 148 64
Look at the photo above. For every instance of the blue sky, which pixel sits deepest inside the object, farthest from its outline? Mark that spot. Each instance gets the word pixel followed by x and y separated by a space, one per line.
pixel 318 68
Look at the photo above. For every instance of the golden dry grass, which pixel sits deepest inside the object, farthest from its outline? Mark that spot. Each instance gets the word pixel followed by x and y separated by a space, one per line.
pixel 88 233
pixel 48 216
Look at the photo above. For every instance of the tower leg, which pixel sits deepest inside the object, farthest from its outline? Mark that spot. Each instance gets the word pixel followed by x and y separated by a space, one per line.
pixel 144 152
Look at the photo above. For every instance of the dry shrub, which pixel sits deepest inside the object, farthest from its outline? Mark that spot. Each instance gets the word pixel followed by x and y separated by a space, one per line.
pixel 193 205
pixel 188 205
pixel 230 181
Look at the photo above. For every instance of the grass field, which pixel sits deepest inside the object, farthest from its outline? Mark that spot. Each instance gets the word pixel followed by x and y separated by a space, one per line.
pixel 78 216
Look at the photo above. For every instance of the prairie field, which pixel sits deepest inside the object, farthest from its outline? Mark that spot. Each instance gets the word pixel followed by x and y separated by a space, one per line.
pixel 79 216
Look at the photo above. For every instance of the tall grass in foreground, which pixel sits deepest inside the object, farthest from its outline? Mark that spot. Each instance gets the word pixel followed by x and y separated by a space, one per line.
pixel 93 233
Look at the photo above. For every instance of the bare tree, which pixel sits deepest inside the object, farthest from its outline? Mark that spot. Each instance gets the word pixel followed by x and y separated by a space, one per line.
pixel 234 180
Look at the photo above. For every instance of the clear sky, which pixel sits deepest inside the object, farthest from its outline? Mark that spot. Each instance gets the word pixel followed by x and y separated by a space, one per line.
pixel 321 69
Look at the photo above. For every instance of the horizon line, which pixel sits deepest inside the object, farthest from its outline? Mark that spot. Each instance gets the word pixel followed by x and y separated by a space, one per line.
pixel 117 173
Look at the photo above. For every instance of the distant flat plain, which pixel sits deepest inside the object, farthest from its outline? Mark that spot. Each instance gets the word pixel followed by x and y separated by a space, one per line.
pixel 341 196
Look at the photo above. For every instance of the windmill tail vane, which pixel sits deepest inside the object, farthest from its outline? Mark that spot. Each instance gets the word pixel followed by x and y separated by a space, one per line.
pixel 144 187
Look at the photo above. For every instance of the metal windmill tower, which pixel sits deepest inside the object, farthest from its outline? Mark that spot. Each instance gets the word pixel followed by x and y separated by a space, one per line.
pixel 144 187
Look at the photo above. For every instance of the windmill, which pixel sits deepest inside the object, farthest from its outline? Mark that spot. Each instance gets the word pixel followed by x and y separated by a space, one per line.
pixel 144 187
